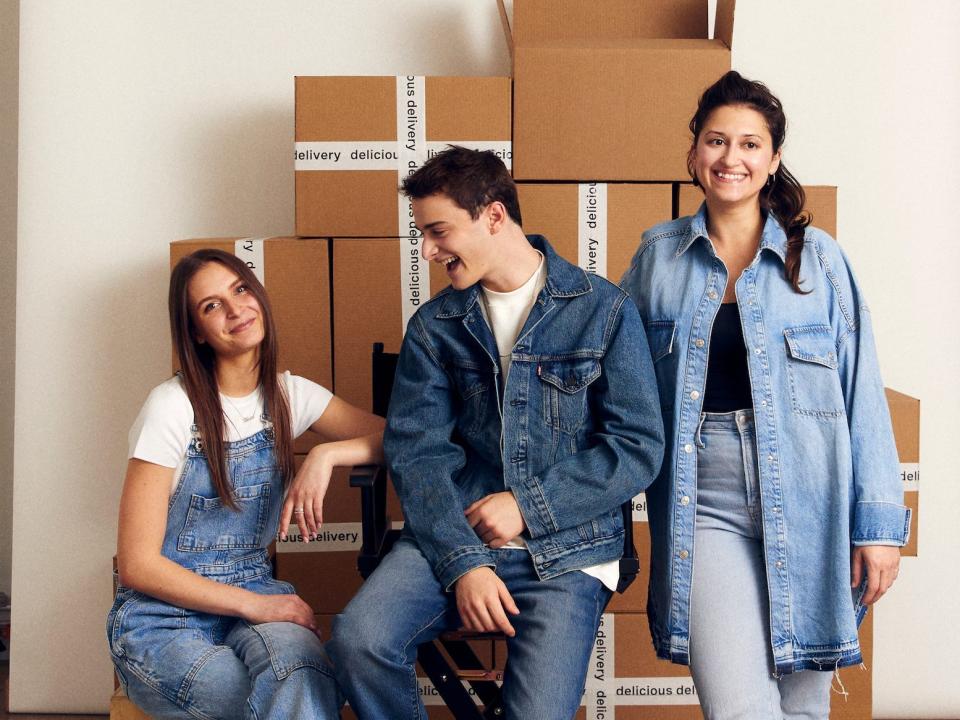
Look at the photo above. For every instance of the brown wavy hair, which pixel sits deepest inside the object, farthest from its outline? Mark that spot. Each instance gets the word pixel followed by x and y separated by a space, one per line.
pixel 783 195
pixel 198 370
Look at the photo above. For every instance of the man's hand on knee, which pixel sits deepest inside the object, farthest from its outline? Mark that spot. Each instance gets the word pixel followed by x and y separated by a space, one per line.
pixel 496 518
pixel 484 601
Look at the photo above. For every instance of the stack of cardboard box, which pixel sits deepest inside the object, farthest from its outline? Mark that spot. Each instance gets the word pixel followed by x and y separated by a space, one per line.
pixel 594 124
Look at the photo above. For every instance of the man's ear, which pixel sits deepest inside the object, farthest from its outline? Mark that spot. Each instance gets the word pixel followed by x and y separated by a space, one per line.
pixel 496 217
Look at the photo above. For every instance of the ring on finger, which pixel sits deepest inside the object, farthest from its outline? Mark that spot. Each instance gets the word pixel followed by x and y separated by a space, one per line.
pixel 298 511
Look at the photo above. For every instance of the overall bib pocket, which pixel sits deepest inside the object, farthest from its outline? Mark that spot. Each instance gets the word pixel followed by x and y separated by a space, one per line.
pixel 210 525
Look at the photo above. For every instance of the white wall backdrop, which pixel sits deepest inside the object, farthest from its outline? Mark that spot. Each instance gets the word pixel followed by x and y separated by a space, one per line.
pixel 9 47
pixel 142 122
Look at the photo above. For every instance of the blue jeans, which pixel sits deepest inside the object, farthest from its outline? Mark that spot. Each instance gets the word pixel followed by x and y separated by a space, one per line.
pixel 194 665
pixel 374 643
pixel 731 660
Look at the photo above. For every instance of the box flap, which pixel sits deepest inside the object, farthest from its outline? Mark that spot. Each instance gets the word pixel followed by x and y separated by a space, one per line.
pixel 505 24
pixel 543 20
pixel 723 27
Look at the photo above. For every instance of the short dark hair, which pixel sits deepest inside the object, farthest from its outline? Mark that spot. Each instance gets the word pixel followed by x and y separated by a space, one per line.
pixel 471 178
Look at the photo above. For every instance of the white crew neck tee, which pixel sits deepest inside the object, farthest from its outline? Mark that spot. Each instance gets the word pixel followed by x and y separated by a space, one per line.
pixel 161 433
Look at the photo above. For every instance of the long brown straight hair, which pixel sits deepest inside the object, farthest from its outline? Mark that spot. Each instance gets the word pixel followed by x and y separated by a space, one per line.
pixel 198 370
pixel 783 195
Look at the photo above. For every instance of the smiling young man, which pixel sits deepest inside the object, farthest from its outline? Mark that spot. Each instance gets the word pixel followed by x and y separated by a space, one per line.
pixel 524 413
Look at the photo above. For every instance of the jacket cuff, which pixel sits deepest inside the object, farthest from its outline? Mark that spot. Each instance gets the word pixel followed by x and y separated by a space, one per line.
pixel 533 507
pixel 881 523
pixel 460 562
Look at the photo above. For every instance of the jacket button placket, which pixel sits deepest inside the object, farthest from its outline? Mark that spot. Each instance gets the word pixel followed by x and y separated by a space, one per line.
pixel 769 471
pixel 685 512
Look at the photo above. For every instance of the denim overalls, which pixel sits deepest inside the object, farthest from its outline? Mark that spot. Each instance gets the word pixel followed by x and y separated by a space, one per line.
pixel 178 663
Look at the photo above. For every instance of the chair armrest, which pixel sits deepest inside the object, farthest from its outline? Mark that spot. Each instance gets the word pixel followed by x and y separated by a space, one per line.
pixel 364 476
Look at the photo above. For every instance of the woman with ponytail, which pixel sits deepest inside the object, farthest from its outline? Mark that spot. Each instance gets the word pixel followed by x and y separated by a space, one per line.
pixel 199 627
pixel 777 516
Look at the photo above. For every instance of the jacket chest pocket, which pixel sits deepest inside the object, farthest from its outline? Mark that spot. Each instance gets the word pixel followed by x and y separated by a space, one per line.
pixel 812 372
pixel 564 384
pixel 661 335
pixel 473 387
pixel 210 525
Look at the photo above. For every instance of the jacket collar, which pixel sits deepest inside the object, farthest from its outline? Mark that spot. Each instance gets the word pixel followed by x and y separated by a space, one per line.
pixel 564 280
pixel 772 238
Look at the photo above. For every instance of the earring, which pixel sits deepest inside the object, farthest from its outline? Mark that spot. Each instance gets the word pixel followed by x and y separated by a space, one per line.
pixel 771 181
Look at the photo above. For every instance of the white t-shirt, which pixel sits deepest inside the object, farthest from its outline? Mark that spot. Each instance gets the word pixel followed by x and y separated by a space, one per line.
pixel 505 313
pixel 161 432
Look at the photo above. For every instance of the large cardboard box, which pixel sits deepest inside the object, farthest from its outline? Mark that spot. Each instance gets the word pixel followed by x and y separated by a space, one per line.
pixel 372 303
pixel 821 204
pixel 594 225
pixel 905 416
pixel 296 274
pixel 357 137
pixel 605 90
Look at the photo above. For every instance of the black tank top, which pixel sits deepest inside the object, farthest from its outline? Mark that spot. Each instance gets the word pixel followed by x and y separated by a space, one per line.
pixel 728 379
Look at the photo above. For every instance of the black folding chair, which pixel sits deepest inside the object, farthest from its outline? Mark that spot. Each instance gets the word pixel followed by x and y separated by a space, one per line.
pixel 449 660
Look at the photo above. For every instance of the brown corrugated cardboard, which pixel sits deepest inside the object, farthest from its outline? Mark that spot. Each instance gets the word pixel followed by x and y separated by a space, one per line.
pixel 605 90
pixel 395 121
pixel 634 600
pixel 323 572
pixel 595 225
pixel 905 416
pixel 367 284
pixel 821 204
pixel 296 274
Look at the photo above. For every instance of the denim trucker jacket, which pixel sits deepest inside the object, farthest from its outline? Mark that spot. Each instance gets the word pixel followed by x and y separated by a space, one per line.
pixel 575 432
pixel 829 473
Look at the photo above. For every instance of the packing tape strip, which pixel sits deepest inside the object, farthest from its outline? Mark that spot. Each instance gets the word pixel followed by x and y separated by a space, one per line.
pixel 503 149
pixel 605 691
pixel 910 474
pixel 379 155
pixel 412 150
pixel 592 230
pixel 333 537
pixel 250 250
pixel 346 155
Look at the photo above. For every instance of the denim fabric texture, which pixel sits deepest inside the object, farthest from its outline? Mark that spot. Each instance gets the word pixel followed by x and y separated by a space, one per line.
pixel 546 660
pixel 178 663
pixel 730 653
pixel 828 469
pixel 575 432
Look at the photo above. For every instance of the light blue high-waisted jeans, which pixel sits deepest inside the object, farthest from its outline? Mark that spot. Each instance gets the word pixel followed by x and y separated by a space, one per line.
pixel 730 652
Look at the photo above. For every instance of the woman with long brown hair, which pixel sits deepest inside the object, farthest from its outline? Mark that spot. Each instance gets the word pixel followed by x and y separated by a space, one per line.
pixel 777 515
pixel 199 627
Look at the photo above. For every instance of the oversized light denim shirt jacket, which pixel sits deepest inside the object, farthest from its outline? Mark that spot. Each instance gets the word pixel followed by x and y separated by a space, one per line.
pixel 829 473
pixel 579 416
